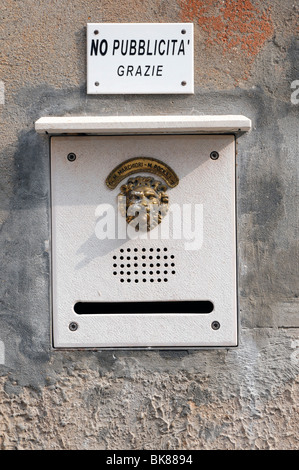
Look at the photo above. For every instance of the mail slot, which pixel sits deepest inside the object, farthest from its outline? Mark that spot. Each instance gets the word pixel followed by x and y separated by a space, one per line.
pixel 179 306
pixel 143 235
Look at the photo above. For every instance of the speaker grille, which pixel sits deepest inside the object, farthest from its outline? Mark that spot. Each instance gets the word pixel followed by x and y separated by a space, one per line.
pixel 137 265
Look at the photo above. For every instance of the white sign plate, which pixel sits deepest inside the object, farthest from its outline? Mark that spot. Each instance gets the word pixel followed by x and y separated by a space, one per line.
pixel 140 58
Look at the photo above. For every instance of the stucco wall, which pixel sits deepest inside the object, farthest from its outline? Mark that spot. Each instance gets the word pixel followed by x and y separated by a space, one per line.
pixel 245 398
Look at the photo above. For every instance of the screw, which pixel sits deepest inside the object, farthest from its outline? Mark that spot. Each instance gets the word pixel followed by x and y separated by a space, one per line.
pixel 215 325
pixel 96 31
pixel 71 157
pixel 183 31
pixel 73 326
pixel 183 83
pixel 96 83
pixel 214 155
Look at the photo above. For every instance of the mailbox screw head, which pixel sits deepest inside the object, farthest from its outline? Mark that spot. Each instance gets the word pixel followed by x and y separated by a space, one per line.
pixel 215 325
pixel 73 326
pixel 214 155
pixel 71 157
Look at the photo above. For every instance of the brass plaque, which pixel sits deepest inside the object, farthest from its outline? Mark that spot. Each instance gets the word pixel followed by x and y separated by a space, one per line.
pixel 142 164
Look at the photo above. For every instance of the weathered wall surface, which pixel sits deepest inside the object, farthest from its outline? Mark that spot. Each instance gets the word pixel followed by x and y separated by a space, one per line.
pixel 245 398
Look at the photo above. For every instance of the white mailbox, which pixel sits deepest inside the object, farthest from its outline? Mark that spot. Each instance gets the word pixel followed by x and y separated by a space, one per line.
pixel 144 231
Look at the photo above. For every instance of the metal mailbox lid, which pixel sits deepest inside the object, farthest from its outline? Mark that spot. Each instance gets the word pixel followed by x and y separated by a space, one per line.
pixel 124 125
pixel 201 263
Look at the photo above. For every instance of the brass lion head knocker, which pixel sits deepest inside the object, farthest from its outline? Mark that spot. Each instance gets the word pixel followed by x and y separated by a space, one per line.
pixel 143 200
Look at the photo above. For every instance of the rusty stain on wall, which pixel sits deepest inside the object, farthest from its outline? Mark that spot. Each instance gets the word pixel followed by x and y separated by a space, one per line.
pixel 236 27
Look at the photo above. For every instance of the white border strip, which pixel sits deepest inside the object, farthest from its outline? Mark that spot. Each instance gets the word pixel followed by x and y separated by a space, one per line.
pixel 142 124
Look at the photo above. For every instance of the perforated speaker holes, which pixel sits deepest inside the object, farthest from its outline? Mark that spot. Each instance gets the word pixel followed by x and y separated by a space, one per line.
pixel 140 265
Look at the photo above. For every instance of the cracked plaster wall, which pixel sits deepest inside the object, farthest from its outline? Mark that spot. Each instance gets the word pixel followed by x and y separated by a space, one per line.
pixel 246 58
